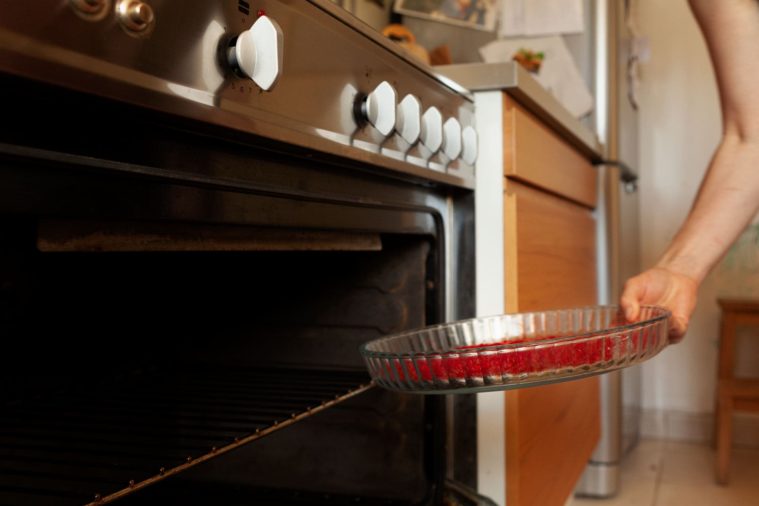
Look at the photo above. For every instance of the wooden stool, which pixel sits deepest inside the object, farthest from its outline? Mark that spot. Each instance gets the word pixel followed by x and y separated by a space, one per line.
pixel 733 394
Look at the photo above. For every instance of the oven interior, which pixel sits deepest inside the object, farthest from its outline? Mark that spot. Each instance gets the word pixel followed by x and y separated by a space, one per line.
pixel 121 364
pixel 183 307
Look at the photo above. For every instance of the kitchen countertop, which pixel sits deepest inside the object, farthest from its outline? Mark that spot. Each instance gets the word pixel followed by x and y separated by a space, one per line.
pixel 517 82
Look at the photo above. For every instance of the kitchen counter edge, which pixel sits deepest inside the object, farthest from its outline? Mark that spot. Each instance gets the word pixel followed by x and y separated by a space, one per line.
pixel 519 84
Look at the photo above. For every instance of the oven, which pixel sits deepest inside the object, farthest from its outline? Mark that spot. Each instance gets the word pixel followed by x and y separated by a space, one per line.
pixel 207 207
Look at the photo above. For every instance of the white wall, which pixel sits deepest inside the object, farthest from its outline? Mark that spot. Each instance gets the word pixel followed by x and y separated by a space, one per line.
pixel 680 127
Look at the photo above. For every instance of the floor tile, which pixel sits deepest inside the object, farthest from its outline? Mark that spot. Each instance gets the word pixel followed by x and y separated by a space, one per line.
pixel 664 473
pixel 639 493
pixel 645 459
pixel 687 463
pixel 638 477
pixel 694 464
pixel 744 467
pixel 692 494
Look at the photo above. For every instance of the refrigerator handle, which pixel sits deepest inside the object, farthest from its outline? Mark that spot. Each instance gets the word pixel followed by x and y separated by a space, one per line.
pixel 626 174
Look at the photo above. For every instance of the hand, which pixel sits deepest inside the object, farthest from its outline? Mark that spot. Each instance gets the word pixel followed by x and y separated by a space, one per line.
pixel 662 287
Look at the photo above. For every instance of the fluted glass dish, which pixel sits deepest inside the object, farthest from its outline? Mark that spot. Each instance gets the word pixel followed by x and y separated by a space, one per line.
pixel 515 350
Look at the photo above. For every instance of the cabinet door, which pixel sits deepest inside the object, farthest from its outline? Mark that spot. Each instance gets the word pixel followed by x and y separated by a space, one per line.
pixel 551 430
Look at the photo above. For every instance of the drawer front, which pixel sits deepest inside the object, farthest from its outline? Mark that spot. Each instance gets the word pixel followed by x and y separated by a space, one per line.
pixel 551 430
pixel 550 251
pixel 534 154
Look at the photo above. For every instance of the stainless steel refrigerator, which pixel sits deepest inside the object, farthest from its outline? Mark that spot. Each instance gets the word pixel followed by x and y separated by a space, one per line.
pixel 616 119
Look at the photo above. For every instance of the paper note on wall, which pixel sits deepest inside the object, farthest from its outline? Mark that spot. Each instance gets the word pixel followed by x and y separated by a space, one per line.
pixel 558 72
pixel 541 17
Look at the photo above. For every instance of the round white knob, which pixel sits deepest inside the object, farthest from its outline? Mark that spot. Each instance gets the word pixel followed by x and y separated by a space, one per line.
pixel 257 53
pixel 452 138
pixel 469 145
pixel 379 108
pixel 432 129
pixel 409 123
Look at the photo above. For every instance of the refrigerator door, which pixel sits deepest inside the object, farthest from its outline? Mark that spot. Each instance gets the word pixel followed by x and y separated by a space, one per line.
pixel 628 254
pixel 618 251
pixel 617 246
pixel 629 265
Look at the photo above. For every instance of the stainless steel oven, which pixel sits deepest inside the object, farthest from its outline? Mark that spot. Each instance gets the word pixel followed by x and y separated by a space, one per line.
pixel 207 207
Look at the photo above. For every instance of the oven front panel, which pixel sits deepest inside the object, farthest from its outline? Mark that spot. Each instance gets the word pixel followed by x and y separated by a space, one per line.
pixel 181 65
pixel 110 137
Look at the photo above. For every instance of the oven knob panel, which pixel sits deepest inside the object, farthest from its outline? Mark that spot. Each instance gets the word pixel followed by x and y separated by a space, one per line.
pixel 452 138
pixel 432 129
pixel 136 17
pixel 379 108
pixel 469 145
pixel 409 122
pixel 257 52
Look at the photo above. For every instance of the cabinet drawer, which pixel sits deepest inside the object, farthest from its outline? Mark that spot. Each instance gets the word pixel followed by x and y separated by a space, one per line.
pixel 535 154
pixel 550 251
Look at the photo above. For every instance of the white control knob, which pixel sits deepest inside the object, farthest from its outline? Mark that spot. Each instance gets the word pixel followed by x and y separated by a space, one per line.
pixel 409 123
pixel 469 145
pixel 432 129
pixel 452 138
pixel 257 52
pixel 379 108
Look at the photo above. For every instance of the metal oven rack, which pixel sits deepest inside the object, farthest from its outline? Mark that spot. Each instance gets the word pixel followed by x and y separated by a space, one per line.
pixel 104 443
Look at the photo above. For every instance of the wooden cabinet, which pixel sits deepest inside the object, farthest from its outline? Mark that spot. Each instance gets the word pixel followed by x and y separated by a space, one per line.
pixel 550 262
pixel 535 154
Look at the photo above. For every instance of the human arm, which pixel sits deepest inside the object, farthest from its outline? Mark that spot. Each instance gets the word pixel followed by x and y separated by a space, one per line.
pixel 729 194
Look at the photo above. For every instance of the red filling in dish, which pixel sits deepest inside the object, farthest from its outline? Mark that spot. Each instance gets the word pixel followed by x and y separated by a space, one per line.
pixel 499 360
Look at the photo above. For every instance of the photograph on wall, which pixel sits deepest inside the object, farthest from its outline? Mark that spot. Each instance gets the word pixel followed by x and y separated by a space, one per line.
pixel 479 14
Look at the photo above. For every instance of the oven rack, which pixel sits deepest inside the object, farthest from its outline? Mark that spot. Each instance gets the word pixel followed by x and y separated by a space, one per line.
pixel 189 493
pixel 97 445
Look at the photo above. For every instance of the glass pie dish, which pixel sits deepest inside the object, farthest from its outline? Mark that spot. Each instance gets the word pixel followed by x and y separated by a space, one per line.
pixel 515 350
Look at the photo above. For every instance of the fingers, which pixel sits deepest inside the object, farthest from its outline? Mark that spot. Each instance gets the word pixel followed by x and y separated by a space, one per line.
pixel 631 297
pixel 662 287
pixel 682 306
pixel 677 327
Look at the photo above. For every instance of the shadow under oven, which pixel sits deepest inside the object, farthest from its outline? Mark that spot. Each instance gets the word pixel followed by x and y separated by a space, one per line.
pixel 182 304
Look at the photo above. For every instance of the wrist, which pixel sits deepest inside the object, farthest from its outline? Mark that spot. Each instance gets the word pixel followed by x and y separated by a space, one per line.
pixel 683 264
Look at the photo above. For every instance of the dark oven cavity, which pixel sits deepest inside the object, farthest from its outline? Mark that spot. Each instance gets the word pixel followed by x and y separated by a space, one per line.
pixel 184 305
